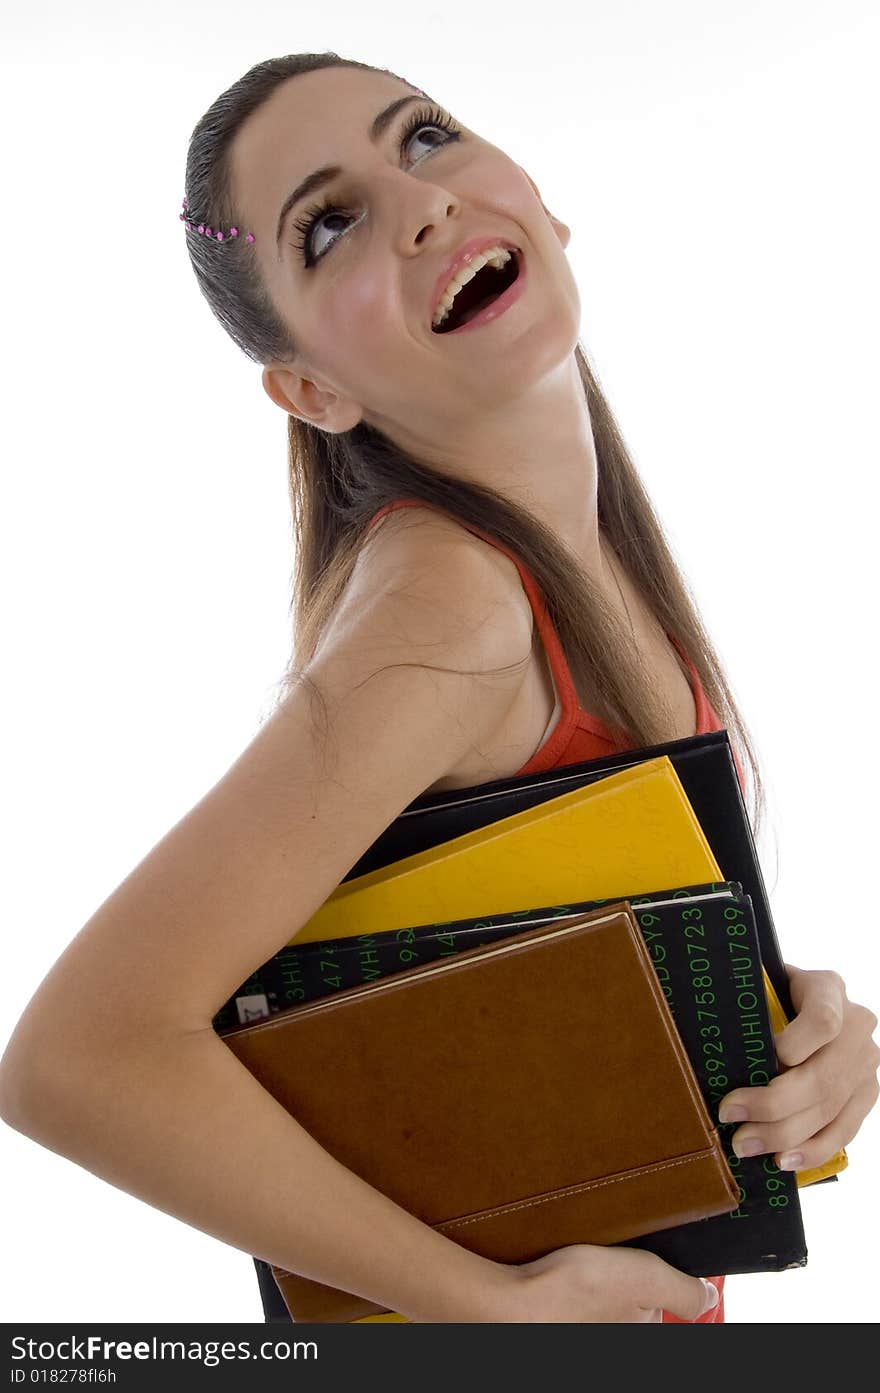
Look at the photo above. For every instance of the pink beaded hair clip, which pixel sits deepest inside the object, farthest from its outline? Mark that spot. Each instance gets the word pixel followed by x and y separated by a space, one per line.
pixel 233 231
pixel 209 232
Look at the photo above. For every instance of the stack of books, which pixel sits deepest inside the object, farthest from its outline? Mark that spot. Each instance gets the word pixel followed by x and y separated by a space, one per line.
pixel 518 1013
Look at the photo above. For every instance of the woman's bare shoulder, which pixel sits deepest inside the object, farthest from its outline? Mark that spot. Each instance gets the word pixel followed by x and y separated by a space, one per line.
pixel 421 541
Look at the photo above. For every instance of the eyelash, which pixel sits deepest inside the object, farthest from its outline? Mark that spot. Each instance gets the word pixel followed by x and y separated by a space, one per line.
pixel 424 117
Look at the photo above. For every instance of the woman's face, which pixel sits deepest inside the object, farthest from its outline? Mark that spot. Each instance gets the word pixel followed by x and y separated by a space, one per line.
pixel 357 287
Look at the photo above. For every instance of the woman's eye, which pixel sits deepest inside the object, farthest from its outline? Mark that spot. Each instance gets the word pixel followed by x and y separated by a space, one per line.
pixel 430 129
pixel 325 221
pixel 316 218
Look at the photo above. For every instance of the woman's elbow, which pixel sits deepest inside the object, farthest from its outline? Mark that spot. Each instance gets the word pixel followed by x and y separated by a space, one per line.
pixel 35 1073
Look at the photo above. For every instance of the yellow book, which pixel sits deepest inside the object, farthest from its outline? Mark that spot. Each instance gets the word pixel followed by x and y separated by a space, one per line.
pixel 626 834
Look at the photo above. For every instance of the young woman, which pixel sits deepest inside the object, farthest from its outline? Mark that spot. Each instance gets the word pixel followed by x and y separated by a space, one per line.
pixel 477 556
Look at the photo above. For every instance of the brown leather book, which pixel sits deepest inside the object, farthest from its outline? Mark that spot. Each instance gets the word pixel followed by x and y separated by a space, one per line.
pixel 517 1097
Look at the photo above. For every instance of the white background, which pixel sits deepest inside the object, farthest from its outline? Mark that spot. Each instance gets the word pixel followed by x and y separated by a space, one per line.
pixel 714 163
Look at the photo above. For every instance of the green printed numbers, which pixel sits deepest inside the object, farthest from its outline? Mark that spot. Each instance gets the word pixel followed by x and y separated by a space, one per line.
pixel 406 953
pixel 774 1184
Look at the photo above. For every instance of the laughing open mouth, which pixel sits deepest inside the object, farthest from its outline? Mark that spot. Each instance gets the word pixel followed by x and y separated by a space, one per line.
pixel 479 292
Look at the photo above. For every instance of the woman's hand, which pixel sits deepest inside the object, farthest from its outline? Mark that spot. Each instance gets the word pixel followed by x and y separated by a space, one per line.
pixel 587 1283
pixel 827 1084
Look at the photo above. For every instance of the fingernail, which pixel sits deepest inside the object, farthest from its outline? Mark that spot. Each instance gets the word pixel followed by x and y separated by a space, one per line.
pixel 737 1113
pixel 713 1296
pixel 749 1146
pixel 791 1160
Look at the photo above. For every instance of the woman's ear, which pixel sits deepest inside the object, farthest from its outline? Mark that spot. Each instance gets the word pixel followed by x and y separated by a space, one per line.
pixel 299 396
pixel 562 231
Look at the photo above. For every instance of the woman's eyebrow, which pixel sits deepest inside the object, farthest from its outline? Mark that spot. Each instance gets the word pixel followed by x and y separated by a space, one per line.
pixel 331 171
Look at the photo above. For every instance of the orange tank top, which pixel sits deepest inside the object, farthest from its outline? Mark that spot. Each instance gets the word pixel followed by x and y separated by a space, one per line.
pixel 578 736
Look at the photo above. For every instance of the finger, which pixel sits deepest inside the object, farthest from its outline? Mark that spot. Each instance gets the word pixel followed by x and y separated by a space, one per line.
pixel 781 1124
pixel 801 1087
pixel 820 1001
pixel 825 1143
pixel 686 1297
pixel 787 1135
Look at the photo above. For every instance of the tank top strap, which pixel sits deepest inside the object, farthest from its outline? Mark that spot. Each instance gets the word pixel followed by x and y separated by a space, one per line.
pixel 559 667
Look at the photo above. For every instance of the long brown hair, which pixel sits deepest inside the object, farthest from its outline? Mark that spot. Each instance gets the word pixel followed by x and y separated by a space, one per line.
pixel 338 481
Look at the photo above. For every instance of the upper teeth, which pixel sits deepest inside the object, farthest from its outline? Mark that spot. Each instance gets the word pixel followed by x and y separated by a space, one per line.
pixel 496 256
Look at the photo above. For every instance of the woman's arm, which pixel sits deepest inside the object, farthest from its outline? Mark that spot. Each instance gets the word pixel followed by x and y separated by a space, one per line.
pixel 182 1124
pixel 114 1063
